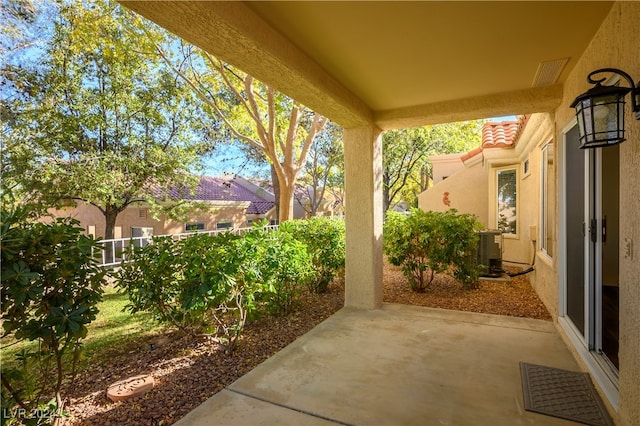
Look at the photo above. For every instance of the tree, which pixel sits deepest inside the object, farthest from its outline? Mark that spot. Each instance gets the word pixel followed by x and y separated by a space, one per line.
pixel 323 166
pixel 100 122
pixel 406 151
pixel 280 128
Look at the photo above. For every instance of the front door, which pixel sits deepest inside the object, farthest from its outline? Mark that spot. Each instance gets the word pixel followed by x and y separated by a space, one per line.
pixel 592 241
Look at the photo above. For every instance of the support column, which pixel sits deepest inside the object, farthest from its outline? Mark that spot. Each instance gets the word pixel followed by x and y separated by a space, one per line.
pixel 364 215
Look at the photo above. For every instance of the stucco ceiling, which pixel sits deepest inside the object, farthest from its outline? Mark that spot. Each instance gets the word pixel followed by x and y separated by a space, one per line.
pixel 394 63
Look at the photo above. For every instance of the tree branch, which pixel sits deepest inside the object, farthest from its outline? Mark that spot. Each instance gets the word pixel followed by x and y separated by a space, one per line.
pixel 208 101
pixel 287 150
pixel 318 124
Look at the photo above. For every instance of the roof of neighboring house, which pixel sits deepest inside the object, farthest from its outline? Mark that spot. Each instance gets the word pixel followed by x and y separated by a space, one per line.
pixel 471 154
pixel 224 189
pixel 498 134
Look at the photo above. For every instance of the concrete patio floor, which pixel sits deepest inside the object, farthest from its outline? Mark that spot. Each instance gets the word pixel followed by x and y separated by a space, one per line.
pixel 399 365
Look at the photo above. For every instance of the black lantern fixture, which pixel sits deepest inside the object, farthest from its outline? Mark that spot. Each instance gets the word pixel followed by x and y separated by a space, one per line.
pixel 600 110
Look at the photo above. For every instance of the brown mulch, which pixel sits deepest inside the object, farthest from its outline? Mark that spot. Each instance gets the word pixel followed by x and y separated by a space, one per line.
pixel 514 298
pixel 189 370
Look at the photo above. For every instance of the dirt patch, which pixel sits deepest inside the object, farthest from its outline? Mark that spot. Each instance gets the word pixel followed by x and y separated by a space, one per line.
pixel 514 298
pixel 187 370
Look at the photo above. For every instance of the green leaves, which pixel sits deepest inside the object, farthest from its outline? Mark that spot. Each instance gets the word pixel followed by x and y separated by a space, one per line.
pixel 424 243
pixel 218 282
pixel 215 282
pixel 50 288
pixel 325 242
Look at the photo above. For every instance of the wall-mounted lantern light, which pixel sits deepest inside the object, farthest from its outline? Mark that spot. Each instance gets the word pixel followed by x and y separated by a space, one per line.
pixel 600 110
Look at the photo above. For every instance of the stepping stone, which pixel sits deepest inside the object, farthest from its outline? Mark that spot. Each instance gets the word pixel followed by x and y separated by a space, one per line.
pixel 130 388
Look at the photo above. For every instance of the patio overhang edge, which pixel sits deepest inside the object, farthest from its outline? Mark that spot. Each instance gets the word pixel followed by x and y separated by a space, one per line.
pixel 528 101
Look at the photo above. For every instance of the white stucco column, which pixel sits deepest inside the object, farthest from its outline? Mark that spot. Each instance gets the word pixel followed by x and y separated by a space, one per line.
pixel 363 204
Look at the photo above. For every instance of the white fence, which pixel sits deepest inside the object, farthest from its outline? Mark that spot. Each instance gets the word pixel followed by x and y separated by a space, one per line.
pixel 113 251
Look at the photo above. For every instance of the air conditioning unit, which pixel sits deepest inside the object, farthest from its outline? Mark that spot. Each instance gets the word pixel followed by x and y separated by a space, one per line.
pixel 490 253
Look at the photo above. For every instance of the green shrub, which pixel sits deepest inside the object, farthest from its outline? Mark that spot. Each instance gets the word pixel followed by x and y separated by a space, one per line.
pixel 153 279
pixel 425 243
pixel 215 283
pixel 200 283
pixel 51 285
pixel 325 241
pixel 286 266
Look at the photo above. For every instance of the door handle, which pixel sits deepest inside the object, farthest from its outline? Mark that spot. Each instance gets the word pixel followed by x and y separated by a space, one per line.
pixel 604 230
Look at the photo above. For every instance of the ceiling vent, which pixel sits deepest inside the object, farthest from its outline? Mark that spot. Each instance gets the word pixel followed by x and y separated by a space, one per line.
pixel 548 72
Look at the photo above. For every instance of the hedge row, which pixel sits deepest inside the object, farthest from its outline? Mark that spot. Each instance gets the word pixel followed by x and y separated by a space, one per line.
pixel 215 283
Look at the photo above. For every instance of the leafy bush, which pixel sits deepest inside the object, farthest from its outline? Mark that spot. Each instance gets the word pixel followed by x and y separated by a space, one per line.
pixel 325 241
pixel 51 285
pixel 425 243
pixel 286 266
pixel 215 282
pixel 189 282
pixel 154 280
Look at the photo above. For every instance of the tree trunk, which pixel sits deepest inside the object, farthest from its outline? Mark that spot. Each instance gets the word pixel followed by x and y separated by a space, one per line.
pixel 286 180
pixel 275 182
pixel 286 201
pixel 110 216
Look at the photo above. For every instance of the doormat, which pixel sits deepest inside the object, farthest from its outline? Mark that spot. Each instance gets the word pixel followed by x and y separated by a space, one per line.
pixel 560 393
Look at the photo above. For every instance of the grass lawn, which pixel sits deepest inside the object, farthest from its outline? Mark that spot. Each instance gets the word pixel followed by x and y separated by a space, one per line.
pixel 112 328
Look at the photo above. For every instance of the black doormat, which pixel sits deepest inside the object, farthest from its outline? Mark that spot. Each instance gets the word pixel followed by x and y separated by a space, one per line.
pixel 561 393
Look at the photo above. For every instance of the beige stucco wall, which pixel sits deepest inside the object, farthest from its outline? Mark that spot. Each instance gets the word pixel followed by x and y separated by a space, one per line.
pixel 465 191
pixel 444 166
pixel 473 190
pixel 539 132
pixel 617 44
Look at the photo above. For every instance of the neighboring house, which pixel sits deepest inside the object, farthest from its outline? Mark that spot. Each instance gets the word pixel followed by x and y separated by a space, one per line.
pixel 328 206
pixel 465 182
pixel 220 203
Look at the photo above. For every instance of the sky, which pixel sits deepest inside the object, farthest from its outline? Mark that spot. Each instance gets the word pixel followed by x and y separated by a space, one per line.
pixel 230 160
pixel 504 118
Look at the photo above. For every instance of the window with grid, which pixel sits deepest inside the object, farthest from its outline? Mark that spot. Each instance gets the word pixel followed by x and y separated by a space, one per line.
pixel 507 191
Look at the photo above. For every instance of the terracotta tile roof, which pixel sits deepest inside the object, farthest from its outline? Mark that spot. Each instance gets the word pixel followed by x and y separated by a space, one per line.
pixel 224 189
pixel 471 154
pixel 499 134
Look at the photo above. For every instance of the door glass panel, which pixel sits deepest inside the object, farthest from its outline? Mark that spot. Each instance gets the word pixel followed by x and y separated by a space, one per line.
pixel 610 251
pixel 575 229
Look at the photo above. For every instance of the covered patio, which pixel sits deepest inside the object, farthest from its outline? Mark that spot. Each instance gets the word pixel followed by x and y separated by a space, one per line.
pixel 398 365
pixel 374 66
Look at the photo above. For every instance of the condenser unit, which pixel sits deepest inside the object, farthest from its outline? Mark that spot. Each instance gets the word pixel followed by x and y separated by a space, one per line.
pixel 490 253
